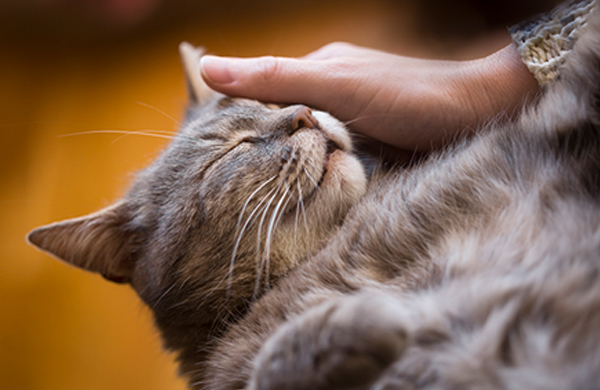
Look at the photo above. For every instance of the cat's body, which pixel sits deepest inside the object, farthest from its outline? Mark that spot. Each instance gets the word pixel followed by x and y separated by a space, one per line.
pixel 479 269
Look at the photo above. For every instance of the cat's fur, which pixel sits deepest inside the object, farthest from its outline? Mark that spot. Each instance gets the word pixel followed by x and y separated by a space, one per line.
pixel 479 269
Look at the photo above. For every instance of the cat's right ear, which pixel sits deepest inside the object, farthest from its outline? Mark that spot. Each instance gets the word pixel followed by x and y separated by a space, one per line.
pixel 198 91
pixel 99 242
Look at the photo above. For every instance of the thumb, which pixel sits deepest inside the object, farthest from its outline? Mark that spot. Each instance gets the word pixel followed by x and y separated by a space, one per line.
pixel 272 79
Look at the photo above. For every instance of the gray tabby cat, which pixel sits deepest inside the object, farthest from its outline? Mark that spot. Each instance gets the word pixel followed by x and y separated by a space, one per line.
pixel 269 262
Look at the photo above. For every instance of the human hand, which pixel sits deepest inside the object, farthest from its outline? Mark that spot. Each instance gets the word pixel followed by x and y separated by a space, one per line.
pixel 409 103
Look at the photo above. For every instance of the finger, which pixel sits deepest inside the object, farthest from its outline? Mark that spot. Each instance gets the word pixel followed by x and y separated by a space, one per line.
pixel 332 50
pixel 341 49
pixel 277 79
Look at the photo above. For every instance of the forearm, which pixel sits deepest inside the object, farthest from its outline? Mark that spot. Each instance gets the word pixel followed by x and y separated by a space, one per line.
pixel 462 96
pixel 497 86
pixel 502 83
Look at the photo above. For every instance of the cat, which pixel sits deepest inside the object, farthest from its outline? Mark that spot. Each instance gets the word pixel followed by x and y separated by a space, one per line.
pixel 271 259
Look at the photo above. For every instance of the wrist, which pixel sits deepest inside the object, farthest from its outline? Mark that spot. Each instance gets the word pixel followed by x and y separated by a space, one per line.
pixel 505 83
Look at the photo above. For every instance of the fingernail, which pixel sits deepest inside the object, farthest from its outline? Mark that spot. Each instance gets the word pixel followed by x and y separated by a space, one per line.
pixel 217 69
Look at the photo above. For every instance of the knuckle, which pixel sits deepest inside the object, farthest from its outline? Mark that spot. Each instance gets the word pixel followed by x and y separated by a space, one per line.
pixel 338 47
pixel 269 69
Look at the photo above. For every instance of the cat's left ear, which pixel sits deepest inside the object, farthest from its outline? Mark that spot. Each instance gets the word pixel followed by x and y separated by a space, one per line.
pixel 99 242
pixel 198 91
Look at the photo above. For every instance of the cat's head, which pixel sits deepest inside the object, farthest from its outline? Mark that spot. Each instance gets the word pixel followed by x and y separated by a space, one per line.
pixel 244 191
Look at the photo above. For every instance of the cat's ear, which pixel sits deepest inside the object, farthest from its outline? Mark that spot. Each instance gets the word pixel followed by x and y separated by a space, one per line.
pixel 98 242
pixel 198 91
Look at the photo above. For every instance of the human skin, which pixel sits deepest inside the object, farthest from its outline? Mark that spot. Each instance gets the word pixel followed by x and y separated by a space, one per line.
pixel 410 103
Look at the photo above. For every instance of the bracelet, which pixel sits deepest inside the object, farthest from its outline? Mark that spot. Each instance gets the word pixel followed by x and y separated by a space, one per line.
pixel 545 41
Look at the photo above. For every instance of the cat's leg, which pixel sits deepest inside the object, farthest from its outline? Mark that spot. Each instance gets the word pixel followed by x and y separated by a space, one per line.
pixel 346 343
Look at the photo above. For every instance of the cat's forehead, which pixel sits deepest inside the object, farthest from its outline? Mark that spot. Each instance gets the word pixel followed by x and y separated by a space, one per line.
pixel 225 106
pixel 224 114
pixel 242 103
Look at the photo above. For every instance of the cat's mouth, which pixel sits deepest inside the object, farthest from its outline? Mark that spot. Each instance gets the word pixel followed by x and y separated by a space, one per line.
pixel 331 147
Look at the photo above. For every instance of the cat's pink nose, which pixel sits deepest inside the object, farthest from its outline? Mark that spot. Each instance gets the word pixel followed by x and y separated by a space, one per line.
pixel 303 118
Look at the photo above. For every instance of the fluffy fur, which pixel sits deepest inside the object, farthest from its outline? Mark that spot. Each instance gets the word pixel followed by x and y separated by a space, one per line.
pixel 269 265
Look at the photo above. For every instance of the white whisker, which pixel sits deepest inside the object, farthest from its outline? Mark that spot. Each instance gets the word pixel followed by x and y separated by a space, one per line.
pixel 160 112
pixel 346 123
pixel 274 220
pixel 301 203
pixel 163 295
pixel 249 221
pixel 124 133
pixel 311 179
pixel 258 238
pixel 296 218
pixel 240 233
pixel 248 201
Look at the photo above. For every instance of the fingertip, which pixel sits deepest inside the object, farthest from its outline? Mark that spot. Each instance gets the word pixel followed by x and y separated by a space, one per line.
pixel 258 78
pixel 268 78
pixel 217 70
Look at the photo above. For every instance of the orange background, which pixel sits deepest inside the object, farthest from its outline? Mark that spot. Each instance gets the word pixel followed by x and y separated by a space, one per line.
pixel 62 78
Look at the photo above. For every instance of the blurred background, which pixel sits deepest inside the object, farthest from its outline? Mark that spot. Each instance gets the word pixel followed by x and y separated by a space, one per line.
pixel 73 74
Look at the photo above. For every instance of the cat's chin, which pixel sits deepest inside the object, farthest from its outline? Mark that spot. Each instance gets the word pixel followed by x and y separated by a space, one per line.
pixel 343 181
pixel 338 183
pixel 344 178
pixel 341 187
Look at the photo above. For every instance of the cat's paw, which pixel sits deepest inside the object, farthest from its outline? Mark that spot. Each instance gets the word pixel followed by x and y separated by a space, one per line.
pixel 343 344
